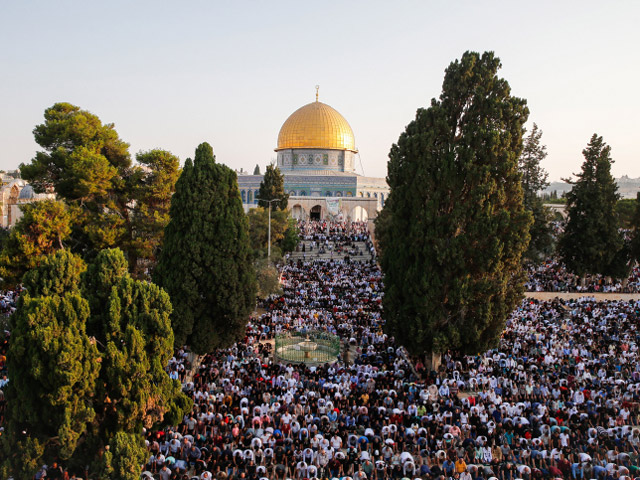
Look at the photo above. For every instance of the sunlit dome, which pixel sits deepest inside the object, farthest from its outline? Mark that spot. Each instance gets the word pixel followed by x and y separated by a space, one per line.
pixel 316 125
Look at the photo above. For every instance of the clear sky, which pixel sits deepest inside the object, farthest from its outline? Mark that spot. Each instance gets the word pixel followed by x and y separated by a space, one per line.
pixel 173 74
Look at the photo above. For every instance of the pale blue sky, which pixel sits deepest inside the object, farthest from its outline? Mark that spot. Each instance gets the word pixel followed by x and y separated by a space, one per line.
pixel 174 74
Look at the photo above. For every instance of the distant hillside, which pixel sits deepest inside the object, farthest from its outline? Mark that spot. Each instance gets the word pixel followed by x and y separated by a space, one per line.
pixel 627 187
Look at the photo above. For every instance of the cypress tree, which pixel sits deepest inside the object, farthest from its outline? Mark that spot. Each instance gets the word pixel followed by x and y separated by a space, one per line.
pixel 591 242
pixel 272 188
pixel 205 263
pixel 635 231
pixel 454 227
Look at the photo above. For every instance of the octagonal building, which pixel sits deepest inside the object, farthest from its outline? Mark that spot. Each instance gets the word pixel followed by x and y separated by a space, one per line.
pixel 316 152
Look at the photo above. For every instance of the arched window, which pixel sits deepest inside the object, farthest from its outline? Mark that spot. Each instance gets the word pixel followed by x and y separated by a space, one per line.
pixel 250 196
pixel 243 193
pixel 375 194
pixel 382 199
pixel 368 194
pixel 328 194
pixel 303 193
pixel 338 194
pixel 255 196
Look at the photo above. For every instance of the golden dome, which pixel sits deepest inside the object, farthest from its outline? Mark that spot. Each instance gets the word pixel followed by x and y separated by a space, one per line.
pixel 316 125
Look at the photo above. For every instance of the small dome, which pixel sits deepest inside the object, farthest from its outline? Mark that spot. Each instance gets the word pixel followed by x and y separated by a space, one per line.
pixel 27 193
pixel 316 125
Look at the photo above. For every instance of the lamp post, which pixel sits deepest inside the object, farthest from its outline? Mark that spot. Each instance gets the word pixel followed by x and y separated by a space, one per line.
pixel 269 244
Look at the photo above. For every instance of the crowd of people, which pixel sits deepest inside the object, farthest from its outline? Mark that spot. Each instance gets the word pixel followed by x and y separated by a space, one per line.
pixel 558 398
pixel 552 276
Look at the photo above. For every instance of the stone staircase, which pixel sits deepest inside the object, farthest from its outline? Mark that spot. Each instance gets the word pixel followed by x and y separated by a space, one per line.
pixel 365 255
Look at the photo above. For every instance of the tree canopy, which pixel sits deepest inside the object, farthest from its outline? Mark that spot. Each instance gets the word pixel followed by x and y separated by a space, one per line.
pixel 534 180
pixel 114 203
pixel 44 228
pixel 272 188
pixel 591 242
pixel 205 264
pixel 87 369
pixel 454 227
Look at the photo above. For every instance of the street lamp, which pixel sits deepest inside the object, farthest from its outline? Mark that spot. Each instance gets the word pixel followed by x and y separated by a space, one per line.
pixel 269 202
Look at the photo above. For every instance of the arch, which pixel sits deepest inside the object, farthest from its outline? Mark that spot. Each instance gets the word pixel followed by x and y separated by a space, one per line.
pixel 328 194
pixel 382 199
pixel 303 193
pixel 359 214
pixel 368 194
pixel 316 212
pixel 255 196
pixel 298 212
pixel 250 196
pixel 292 193
pixel 338 194
pixel 349 194
pixel 243 193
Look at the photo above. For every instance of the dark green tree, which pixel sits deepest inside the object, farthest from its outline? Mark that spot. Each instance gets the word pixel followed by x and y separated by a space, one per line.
pixel 534 180
pixel 205 264
pixel 625 210
pixel 635 232
pixel 272 188
pixel 454 227
pixel 591 242
pixel 256 171
pixel 291 236
pixel 88 351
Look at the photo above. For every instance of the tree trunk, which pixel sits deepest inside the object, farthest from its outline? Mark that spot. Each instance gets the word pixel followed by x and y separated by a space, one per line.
pixel 433 361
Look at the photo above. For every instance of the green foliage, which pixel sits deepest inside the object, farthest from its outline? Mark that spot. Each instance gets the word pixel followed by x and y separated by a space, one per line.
pixel 534 179
pixel 43 228
pixel 54 370
pixel 205 264
pixel 625 211
pixel 591 242
pixel 259 231
pixel 86 360
pixel 85 163
pixel 454 227
pixel 114 203
pixel 152 188
pixel 291 236
pixel 634 246
pixel 272 188
pixel 59 273
pixel 128 453
pixel 268 278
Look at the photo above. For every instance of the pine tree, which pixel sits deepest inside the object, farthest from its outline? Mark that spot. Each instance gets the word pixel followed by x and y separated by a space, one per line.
pixel 591 242
pixel 534 180
pixel 272 188
pixel 454 226
pixel 205 263
pixel 256 171
pixel 43 229
pixel 113 203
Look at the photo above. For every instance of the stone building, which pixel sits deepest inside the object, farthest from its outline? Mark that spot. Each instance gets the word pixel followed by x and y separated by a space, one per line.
pixel 317 154
pixel 15 192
